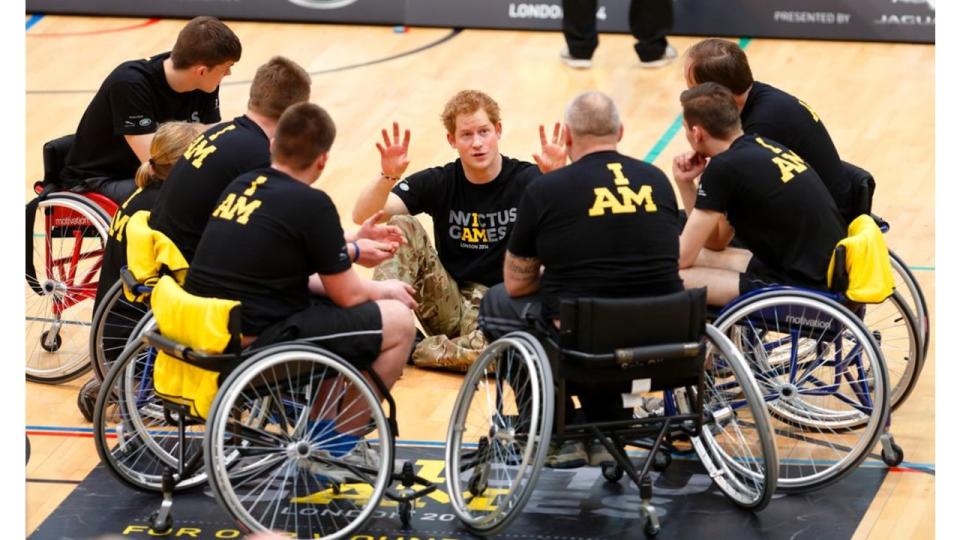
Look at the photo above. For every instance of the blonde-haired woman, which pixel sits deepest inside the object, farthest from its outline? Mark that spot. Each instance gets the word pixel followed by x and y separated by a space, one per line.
pixel 168 145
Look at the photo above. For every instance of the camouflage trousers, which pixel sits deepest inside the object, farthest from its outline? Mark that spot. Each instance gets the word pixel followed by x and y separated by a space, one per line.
pixel 447 311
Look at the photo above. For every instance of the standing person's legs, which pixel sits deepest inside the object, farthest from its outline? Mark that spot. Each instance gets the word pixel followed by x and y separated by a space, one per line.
pixel 580 27
pixel 650 21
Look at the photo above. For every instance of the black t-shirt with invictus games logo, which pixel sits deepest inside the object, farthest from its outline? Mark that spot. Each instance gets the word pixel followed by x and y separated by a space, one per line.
pixel 606 225
pixel 779 207
pixel 267 235
pixel 775 114
pixel 115 251
pixel 471 222
pixel 133 100
pixel 209 164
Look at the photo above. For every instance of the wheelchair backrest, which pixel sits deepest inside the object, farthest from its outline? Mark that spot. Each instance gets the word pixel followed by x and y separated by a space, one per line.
pixel 862 186
pixel 150 253
pixel 600 325
pixel 860 266
pixel 194 331
pixel 55 157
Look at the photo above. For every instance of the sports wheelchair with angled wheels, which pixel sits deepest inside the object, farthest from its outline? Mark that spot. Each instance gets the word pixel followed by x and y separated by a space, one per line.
pixel 820 370
pixel 900 324
pixel 66 233
pixel 514 397
pixel 290 437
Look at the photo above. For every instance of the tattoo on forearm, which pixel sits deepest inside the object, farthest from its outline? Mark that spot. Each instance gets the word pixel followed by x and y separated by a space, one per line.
pixel 525 267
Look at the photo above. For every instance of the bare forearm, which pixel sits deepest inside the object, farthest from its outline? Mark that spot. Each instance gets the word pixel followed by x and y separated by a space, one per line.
pixel 372 199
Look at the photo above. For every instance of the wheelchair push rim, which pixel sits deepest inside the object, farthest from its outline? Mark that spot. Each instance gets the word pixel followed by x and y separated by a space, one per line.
pixel 499 432
pixel 64 254
pixel 114 322
pixel 290 478
pixel 823 379
pixel 736 443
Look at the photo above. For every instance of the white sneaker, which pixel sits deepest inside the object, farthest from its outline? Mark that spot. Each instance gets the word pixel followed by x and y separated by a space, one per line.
pixel 669 55
pixel 575 63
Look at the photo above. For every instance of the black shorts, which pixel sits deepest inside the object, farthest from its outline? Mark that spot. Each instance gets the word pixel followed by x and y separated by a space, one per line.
pixel 355 333
pixel 758 276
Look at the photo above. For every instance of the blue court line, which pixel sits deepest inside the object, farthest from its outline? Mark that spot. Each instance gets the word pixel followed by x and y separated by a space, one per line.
pixel 34 19
pixel 924 268
pixel 668 135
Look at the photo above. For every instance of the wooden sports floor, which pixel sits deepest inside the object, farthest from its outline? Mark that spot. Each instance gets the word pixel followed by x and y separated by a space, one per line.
pixel 876 99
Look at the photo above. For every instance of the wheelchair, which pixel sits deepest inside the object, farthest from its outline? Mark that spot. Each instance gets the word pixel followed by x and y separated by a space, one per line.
pixel 821 373
pixel 66 233
pixel 514 396
pixel 900 324
pixel 267 429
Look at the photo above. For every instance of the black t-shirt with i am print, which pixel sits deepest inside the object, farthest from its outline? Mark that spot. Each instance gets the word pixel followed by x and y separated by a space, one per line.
pixel 606 225
pixel 267 235
pixel 780 209
pixel 133 100
pixel 213 160
pixel 777 115
pixel 471 222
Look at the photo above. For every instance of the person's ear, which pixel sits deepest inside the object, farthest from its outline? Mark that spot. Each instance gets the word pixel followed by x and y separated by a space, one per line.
pixel 451 140
pixel 620 133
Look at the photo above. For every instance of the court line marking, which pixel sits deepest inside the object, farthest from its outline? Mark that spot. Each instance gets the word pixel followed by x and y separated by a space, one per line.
pixel 53 481
pixel 144 24
pixel 34 19
pixel 671 132
pixel 453 33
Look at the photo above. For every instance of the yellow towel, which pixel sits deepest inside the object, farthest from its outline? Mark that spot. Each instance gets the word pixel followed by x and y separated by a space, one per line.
pixel 867 262
pixel 148 251
pixel 199 323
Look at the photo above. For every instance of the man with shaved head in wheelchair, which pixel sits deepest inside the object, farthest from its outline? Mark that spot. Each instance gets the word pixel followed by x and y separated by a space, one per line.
pixel 276 245
pixel 605 226
pixel 774 200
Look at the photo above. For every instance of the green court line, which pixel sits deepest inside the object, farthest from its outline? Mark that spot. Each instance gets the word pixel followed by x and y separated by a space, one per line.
pixel 668 135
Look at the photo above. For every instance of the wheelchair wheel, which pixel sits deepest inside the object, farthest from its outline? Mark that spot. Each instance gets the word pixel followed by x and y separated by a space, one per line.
pixel 114 321
pixel 910 290
pixel 822 376
pixel 318 459
pixel 132 435
pixel 64 250
pixel 736 444
pixel 893 327
pixel 499 433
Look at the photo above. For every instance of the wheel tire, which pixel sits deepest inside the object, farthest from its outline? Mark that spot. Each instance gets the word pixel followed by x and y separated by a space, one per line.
pixel 661 460
pixel 87 398
pixel 612 473
pixel 895 459
pixel 406 513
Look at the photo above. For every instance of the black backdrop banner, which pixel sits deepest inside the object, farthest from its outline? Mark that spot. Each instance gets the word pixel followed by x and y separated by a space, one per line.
pixel 861 20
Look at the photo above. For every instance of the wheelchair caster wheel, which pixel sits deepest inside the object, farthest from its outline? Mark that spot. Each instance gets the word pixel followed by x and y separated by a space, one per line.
pixel 160 526
pixel 661 460
pixel 893 458
pixel 57 341
pixel 405 513
pixel 650 529
pixel 477 485
pixel 613 473
pixel 87 398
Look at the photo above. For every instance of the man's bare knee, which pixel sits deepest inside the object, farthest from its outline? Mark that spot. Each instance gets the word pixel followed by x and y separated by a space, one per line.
pixel 398 323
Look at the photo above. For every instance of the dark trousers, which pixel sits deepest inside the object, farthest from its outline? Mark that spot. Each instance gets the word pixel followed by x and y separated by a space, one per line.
pixel 650 20
pixel 501 314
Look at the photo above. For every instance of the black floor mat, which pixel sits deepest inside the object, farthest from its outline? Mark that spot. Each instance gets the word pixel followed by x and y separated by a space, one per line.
pixel 567 505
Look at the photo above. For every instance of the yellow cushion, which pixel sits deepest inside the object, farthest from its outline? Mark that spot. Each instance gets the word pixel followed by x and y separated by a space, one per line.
pixel 148 251
pixel 201 324
pixel 867 262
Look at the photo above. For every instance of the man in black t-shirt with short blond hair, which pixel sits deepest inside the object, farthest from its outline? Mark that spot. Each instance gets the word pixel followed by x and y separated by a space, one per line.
pixel 604 226
pixel 224 152
pixel 114 134
pixel 275 244
pixel 473 204
pixel 773 199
